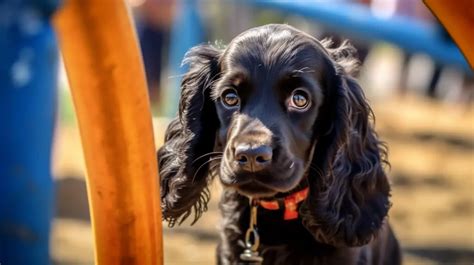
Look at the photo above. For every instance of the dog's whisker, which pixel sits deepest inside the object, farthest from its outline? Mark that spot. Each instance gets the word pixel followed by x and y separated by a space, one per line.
pixel 207 154
pixel 212 169
pixel 213 166
pixel 203 164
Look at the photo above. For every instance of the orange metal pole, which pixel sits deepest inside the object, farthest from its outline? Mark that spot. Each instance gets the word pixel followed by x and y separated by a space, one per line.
pixel 458 19
pixel 108 85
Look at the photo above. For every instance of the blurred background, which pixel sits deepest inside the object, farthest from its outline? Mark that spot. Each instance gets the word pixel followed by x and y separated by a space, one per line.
pixel 417 81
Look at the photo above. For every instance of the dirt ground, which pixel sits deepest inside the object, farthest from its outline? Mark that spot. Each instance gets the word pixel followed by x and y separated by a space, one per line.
pixel 431 151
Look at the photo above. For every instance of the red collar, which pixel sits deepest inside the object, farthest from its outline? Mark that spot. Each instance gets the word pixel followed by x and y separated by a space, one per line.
pixel 290 202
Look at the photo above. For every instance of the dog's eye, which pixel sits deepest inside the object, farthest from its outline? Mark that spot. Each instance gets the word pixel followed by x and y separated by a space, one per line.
pixel 299 99
pixel 230 98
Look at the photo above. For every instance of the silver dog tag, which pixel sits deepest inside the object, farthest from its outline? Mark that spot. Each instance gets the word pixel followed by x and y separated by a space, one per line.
pixel 251 257
pixel 250 254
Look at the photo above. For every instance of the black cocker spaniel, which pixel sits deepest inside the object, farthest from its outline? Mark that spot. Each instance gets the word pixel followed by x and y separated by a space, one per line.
pixel 278 118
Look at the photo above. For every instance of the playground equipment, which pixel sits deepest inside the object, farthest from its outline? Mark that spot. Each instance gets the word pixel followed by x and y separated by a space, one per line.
pixel 28 73
pixel 353 19
pixel 107 81
pixel 458 19
pixel 108 85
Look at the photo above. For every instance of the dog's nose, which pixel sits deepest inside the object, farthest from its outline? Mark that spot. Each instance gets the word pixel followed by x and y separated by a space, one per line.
pixel 253 158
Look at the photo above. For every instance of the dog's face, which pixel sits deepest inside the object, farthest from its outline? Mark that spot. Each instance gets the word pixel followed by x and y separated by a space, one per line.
pixel 267 101
pixel 274 109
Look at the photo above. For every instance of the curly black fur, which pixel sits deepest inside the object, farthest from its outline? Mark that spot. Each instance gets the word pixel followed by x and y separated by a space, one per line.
pixel 188 137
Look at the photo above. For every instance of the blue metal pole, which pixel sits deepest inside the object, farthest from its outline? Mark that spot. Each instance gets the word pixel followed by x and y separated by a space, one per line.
pixel 354 19
pixel 28 69
pixel 187 31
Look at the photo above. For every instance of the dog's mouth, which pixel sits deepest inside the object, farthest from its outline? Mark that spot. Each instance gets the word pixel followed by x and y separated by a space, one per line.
pixel 263 184
pixel 255 189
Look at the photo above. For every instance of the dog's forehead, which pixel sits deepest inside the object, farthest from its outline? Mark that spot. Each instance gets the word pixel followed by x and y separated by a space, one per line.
pixel 273 48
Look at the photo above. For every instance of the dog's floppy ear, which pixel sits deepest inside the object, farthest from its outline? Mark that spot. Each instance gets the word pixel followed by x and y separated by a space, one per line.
pixel 188 138
pixel 349 191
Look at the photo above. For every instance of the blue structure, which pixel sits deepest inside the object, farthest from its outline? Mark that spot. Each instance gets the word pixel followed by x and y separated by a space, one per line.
pixel 187 32
pixel 353 19
pixel 28 69
pixel 407 33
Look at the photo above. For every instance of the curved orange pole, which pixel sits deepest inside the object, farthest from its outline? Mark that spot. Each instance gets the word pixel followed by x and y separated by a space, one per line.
pixel 108 85
pixel 458 19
